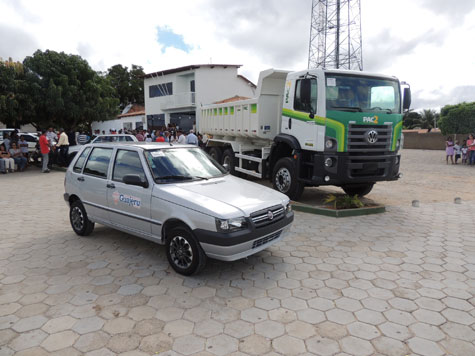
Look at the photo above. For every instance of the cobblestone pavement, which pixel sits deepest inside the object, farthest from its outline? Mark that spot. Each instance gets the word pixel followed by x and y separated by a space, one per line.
pixel 400 283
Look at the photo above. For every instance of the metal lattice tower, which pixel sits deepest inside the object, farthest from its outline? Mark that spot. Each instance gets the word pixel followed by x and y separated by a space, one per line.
pixel 335 35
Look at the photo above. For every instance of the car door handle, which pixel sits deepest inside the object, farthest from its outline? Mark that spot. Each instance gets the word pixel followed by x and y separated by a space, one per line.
pixel 110 185
pixel 81 179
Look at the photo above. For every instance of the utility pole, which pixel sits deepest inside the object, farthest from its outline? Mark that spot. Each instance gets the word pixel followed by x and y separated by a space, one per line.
pixel 335 35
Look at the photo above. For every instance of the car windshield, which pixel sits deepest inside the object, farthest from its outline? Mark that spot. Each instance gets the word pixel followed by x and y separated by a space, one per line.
pixel 180 164
pixel 362 94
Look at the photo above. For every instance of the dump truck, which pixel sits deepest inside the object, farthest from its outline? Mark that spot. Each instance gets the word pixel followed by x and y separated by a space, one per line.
pixel 312 128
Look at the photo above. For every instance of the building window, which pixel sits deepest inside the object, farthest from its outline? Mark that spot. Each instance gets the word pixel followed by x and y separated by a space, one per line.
pixel 192 86
pixel 160 90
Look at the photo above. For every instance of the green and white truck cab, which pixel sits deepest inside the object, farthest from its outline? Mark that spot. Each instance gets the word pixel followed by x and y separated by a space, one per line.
pixel 313 127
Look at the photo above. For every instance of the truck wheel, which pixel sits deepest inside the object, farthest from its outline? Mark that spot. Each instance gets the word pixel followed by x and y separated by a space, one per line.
pixel 358 189
pixel 79 221
pixel 229 160
pixel 284 178
pixel 184 253
pixel 216 153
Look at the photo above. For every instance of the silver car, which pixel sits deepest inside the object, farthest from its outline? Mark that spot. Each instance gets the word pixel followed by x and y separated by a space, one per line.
pixel 175 195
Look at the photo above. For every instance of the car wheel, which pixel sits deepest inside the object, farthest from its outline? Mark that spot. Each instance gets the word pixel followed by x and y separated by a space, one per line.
pixel 216 153
pixel 284 178
pixel 358 189
pixel 184 253
pixel 79 221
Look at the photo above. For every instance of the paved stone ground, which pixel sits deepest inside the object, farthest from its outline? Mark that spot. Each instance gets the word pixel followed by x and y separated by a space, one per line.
pixel 400 283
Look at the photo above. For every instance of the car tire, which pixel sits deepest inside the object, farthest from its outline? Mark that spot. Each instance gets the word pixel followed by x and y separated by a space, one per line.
pixel 229 160
pixel 79 220
pixel 285 180
pixel 184 253
pixel 358 189
pixel 217 154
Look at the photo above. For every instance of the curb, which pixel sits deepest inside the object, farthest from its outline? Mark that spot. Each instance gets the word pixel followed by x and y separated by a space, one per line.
pixel 343 213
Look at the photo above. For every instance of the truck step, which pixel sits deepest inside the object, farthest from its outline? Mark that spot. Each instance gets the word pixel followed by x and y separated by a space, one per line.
pixel 248 172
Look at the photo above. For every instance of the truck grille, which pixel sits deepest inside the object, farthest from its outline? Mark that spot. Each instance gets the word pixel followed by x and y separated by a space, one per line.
pixel 368 166
pixel 266 239
pixel 263 217
pixel 357 138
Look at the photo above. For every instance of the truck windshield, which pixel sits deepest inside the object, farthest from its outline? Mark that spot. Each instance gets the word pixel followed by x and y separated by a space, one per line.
pixel 182 164
pixel 362 94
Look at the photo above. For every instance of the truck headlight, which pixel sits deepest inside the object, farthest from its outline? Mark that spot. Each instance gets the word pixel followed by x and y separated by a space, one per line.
pixel 227 225
pixel 329 144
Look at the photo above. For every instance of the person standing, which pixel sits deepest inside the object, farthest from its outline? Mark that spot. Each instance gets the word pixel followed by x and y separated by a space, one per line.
pixel 180 139
pixel 44 147
pixel 471 149
pixel 63 145
pixel 449 150
pixel 82 138
pixel 191 139
pixel 140 136
pixel 7 141
pixel 457 150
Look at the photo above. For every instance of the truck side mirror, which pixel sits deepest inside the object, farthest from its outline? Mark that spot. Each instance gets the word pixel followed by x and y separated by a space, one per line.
pixel 406 104
pixel 306 91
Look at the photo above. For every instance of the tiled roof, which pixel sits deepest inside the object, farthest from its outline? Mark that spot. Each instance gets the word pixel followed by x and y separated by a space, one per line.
pixel 230 100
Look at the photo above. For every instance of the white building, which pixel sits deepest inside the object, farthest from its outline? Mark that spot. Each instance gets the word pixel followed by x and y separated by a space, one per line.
pixel 175 95
pixel 131 118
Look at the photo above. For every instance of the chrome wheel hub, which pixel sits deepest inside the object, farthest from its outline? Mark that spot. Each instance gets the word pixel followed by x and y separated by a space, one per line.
pixel 77 218
pixel 283 180
pixel 181 252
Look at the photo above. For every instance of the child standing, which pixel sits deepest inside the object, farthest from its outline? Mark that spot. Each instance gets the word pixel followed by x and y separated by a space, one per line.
pixel 464 152
pixel 458 151
pixel 449 150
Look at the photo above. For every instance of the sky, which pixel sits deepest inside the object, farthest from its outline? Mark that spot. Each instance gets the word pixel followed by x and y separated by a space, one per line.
pixel 427 43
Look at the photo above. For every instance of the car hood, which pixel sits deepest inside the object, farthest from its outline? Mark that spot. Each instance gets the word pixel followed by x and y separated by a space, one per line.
pixel 224 197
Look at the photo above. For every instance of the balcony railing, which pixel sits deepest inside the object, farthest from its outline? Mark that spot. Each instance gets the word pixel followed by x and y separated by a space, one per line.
pixel 179 100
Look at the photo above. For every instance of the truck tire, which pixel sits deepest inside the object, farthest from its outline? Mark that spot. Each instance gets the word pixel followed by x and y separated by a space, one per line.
pixel 79 221
pixel 184 253
pixel 229 160
pixel 217 154
pixel 284 178
pixel 358 189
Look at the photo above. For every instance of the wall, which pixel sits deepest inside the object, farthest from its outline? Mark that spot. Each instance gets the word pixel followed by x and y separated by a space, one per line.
pixel 414 139
pixel 118 124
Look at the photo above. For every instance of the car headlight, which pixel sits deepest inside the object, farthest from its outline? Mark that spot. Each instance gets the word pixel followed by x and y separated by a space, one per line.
pixel 227 225
pixel 288 208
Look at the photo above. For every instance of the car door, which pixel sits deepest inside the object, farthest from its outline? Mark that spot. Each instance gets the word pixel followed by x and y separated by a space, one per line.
pixel 129 205
pixel 93 183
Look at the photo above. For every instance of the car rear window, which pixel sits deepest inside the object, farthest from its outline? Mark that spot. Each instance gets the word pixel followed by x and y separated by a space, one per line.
pixel 80 162
pixel 98 162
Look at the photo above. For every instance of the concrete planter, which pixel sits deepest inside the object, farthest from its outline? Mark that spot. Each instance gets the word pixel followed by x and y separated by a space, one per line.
pixel 341 213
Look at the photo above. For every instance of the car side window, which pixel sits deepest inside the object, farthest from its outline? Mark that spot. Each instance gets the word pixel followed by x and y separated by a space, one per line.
pixel 80 162
pixel 127 162
pixel 128 138
pixel 98 162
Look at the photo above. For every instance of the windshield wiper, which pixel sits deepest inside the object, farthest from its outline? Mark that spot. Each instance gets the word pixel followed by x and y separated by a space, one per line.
pixel 175 177
pixel 199 177
pixel 348 108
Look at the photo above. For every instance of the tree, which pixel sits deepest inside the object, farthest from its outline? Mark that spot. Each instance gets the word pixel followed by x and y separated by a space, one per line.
pixel 458 119
pixel 16 106
pixel 428 119
pixel 411 119
pixel 128 84
pixel 66 91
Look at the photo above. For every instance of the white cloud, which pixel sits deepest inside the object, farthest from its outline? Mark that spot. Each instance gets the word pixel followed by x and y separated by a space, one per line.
pixel 427 43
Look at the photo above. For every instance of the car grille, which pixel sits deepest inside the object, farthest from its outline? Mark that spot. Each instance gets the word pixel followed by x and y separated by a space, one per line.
pixel 261 218
pixel 266 239
pixel 358 143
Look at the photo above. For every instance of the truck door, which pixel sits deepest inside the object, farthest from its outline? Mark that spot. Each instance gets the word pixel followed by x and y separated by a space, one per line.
pixel 297 120
pixel 129 205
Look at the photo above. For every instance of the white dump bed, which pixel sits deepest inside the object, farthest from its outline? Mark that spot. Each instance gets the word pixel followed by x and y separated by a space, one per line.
pixel 258 117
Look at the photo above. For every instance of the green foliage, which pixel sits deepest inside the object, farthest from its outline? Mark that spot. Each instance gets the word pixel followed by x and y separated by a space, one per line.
pixel 457 119
pixel 411 119
pixel 344 201
pixel 66 91
pixel 128 84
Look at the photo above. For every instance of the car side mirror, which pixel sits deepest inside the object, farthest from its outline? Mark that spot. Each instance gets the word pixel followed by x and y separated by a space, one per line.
pixel 406 103
pixel 134 179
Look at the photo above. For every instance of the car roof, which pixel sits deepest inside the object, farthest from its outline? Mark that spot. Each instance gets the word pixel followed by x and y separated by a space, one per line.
pixel 142 145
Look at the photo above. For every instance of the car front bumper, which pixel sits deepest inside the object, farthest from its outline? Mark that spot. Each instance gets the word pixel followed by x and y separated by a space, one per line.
pixel 236 245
